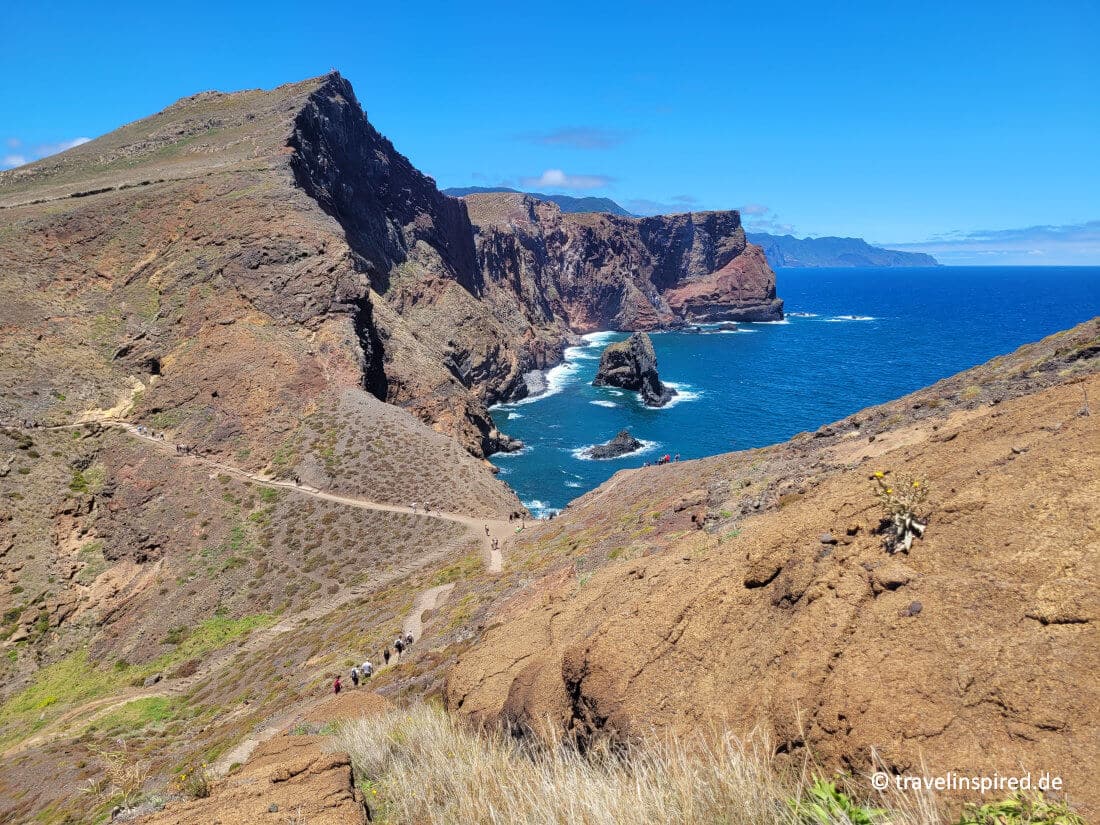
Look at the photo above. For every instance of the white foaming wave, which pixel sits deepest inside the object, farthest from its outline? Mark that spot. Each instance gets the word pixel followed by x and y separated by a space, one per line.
pixel 842 318
pixel 602 403
pixel 597 338
pixel 540 509
pixel 684 392
pixel 802 315
pixel 574 484
pixel 514 415
pixel 557 378
pixel 617 392
pixel 582 453
pixel 784 321
pixel 526 448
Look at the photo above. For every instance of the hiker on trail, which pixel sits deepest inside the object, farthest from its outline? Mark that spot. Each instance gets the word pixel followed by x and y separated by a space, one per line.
pixel 399 646
pixel 368 670
pixel 677 458
pixel 408 640
pixel 336 686
pixel 386 655
pixel 486 530
pixel 355 676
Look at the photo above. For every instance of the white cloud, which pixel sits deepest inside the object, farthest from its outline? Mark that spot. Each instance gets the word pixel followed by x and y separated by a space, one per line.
pixel 760 218
pixel 42 150
pixel 47 149
pixel 1069 244
pixel 557 179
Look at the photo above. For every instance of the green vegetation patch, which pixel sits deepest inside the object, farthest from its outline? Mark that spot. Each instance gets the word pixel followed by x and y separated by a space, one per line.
pixel 74 680
pixel 137 715
pixel 62 684
pixel 464 568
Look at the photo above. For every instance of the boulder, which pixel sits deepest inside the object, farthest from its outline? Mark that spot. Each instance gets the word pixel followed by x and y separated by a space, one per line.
pixel 632 365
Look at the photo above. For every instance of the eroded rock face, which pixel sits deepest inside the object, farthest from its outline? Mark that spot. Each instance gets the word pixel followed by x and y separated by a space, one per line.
pixel 632 365
pixel 598 271
pixel 622 444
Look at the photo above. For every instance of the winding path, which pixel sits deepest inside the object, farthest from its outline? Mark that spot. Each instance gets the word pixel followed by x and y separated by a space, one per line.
pixel 486 530
pixel 428 600
pixel 500 529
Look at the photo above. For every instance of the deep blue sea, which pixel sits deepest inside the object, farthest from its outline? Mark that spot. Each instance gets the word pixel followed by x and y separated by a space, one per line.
pixel 853 337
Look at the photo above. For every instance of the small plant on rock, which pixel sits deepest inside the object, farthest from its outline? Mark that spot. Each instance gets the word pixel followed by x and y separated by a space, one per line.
pixel 192 783
pixel 1020 809
pixel 901 499
pixel 823 803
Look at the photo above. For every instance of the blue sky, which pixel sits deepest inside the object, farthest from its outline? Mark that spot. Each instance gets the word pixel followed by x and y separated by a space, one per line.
pixel 968 129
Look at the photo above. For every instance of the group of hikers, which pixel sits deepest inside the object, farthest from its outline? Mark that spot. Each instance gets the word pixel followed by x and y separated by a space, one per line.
pixel 665 459
pixel 415 505
pixel 361 673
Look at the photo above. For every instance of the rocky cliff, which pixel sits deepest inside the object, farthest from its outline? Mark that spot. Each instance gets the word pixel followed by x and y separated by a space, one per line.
pixel 632 365
pixel 598 271
pixel 289 206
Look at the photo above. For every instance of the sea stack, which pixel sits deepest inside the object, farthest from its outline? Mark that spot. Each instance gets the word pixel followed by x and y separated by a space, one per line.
pixel 632 365
pixel 622 444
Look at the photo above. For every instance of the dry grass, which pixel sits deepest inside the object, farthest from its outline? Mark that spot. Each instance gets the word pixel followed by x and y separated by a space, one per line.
pixel 418 765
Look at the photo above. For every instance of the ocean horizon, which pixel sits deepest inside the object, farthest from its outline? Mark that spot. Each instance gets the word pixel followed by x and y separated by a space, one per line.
pixel 852 338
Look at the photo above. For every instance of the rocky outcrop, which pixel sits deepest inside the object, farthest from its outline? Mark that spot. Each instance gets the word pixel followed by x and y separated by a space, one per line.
pixel 622 444
pixel 632 365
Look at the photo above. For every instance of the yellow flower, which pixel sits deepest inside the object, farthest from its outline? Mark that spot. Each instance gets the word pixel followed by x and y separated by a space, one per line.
pixel 880 474
pixel 889 490
pixel 916 484
pixel 374 791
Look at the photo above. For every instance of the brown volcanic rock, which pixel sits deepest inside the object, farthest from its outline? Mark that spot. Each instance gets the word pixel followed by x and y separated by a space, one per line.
pixel 632 365
pixel 599 271
pixel 973 653
pixel 299 777
pixel 281 231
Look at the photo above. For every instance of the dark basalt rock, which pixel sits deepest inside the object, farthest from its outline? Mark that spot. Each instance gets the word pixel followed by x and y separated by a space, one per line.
pixel 621 444
pixel 632 365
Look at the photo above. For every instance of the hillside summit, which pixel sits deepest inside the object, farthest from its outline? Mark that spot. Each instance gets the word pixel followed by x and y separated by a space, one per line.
pixel 289 209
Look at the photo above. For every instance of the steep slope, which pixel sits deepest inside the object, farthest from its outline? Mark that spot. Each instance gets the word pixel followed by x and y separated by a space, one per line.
pixel 598 271
pixel 754 588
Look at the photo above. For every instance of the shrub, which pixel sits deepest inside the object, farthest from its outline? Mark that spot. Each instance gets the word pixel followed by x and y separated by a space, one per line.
pixel 901 499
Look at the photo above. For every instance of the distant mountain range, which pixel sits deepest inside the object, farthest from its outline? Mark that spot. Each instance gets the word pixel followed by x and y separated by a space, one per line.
pixel 787 250
pixel 567 202
pixel 781 250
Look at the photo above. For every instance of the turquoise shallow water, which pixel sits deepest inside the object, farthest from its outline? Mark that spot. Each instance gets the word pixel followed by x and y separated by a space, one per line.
pixel 854 337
